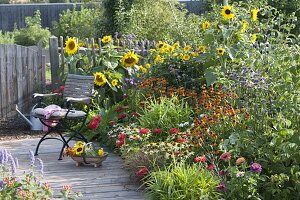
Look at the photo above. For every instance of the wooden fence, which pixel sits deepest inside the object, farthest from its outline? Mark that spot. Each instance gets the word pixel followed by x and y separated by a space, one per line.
pixel 22 72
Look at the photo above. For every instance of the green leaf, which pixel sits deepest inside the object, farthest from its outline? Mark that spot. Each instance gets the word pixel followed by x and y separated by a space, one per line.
pixel 210 76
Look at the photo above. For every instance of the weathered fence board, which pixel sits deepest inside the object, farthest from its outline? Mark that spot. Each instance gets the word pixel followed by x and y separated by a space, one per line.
pixel 22 73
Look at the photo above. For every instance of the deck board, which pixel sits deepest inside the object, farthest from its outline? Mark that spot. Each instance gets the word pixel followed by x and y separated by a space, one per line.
pixel 109 181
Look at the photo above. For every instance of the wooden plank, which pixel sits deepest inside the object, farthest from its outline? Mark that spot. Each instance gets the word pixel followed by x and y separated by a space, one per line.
pixel 54 61
pixel 19 71
pixel 30 55
pixel 39 64
pixel 43 73
pixel 25 77
pixel 10 64
pixel 2 81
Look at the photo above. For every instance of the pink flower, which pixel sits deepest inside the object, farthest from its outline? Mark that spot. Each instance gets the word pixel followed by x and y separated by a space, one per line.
pixel 112 122
pixel 144 131
pixel 221 187
pixel 181 140
pixel 122 115
pixel 210 167
pixel 200 159
pixel 119 109
pixel 56 91
pixel 119 143
pixel 62 88
pixel 142 172
pixel 255 167
pixel 94 123
pixel 121 136
pixel 225 156
pixel 174 130
pixel 157 130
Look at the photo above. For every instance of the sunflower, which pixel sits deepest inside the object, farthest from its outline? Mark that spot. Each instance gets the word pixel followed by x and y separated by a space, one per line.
pixel 221 51
pixel 253 38
pixel 176 45
pixel 147 65
pixel 205 25
pixel 114 82
pixel 227 13
pixel 195 54
pixel 106 39
pixel 187 48
pixel 186 57
pixel 159 59
pixel 143 69
pixel 244 26
pixel 254 13
pixel 160 45
pixel 100 79
pixel 100 152
pixel 202 49
pixel 129 59
pixel 79 143
pixel 71 46
pixel 78 149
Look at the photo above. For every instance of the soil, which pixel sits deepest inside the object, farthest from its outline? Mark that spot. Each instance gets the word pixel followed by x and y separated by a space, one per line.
pixel 16 128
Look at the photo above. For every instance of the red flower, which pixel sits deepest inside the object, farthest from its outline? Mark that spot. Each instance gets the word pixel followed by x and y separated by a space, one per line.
pixel 174 130
pixel 181 140
pixel 225 156
pixel 142 172
pixel 119 143
pixel 122 116
pixel 56 91
pixel 61 88
pixel 112 122
pixel 200 159
pixel 119 109
pixel 210 167
pixel 157 130
pixel 144 131
pixel 136 114
pixel 94 123
pixel 121 136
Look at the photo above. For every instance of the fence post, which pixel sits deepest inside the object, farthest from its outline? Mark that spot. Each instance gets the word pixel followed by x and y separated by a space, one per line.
pixel 54 61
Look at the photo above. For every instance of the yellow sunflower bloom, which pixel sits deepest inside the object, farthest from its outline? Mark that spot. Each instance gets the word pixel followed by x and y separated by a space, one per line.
pixel 195 54
pixel 100 152
pixel 253 38
pixel 147 65
pixel 186 57
pixel 71 46
pixel 205 25
pixel 106 39
pixel 79 143
pixel 187 48
pixel 176 45
pixel 143 69
pixel 201 49
pixel 160 45
pixel 78 149
pixel 114 82
pixel 220 51
pixel 129 59
pixel 227 13
pixel 254 13
pixel 244 26
pixel 81 44
pixel 100 79
pixel 159 59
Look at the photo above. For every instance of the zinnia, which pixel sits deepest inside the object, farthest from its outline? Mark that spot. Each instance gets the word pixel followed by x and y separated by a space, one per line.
pixel 255 167
pixel 210 167
pixel 221 187
pixel 94 123
pixel 142 172
pixel 174 130
pixel 200 159
pixel 240 161
pixel 225 156
pixel 181 140
pixel 144 131
pixel 157 130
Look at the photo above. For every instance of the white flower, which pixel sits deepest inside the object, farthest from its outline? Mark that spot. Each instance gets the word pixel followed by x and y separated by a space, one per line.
pixel 240 174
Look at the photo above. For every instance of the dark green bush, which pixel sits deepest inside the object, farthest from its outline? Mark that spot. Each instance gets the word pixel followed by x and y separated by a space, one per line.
pixel 33 33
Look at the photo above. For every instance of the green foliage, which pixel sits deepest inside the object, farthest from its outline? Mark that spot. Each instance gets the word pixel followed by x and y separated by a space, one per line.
pixel 33 33
pixel 165 113
pixel 80 24
pixel 6 38
pixel 183 182
pixel 4 1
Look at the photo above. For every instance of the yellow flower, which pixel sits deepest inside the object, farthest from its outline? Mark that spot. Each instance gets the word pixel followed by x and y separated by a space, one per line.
pixel 160 45
pixel 71 46
pixel 100 79
pixel 78 149
pixel 175 45
pixel 159 59
pixel 195 54
pixel 106 39
pixel 147 65
pixel 143 69
pixel 205 25
pixel 79 143
pixel 253 38
pixel 202 49
pixel 114 82
pixel 244 26
pixel 254 13
pixel 220 51
pixel 81 44
pixel 186 57
pixel 100 152
pixel 175 54
pixel 227 13
pixel 129 59
pixel 187 48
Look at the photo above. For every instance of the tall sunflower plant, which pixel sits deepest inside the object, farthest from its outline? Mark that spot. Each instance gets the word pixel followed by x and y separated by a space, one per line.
pixel 110 67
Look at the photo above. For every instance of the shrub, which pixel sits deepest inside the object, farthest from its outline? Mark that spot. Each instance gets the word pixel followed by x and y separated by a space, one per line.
pixel 33 33
pixel 80 24
pixel 183 182
pixel 6 38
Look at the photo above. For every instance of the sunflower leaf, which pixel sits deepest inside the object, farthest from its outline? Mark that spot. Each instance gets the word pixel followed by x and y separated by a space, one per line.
pixel 210 76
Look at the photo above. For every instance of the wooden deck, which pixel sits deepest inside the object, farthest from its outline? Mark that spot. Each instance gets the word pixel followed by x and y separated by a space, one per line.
pixel 109 181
